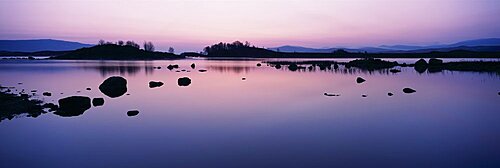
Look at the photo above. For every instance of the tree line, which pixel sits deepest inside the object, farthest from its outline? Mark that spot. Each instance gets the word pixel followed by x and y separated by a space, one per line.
pixel 147 45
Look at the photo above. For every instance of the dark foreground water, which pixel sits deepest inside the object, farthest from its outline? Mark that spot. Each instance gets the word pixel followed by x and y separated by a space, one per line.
pixel 274 118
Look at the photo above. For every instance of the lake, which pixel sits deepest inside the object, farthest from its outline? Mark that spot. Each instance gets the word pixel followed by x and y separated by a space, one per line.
pixel 273 118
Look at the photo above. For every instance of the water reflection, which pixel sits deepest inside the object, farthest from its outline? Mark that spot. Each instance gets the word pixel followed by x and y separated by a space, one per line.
pixel 120 68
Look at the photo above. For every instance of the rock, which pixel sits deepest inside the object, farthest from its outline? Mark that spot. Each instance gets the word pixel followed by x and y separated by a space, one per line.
pixel 421 62
pixel 420 66
pixel 113 87
pixel 47 94
pixel 258 64
pixel 434 61
pixel 51 106
pixel 363 95
pixel 31 58
pixel 97 102
pixel 202 70
pixel 360 80
pixel 243 78
pixel 154 84
pixel 394 70
pixel 293 67
pixel 19 83
pixel 88 88
pixel 278 66
pixel 335 66
pixel 184 81
pixel 193 65
pixel 499 93
pixel 409 90
pixel 34 91
pixel 170 67
pixel 132 113
pixel 390 94
pixel 73 106
pixel 330 95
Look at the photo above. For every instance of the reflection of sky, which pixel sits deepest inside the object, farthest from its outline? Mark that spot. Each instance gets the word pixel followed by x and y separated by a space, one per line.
pixel 275 117
pixel 193 24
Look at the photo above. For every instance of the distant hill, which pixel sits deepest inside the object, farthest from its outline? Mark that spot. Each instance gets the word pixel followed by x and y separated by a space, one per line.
pixel 115 52
pixel 478 45
pixel 39 45
pixel 300 49
pixel 468 43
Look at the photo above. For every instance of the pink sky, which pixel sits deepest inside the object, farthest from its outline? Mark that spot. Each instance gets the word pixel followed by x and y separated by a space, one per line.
pixel 189 25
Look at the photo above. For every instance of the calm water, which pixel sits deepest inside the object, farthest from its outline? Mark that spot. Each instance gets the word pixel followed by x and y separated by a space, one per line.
pixel 274 118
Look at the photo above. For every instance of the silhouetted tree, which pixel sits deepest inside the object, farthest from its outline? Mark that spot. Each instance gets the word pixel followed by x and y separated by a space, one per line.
pixel 101 42
pixel 148 46
pixel 120 43
pixel 132 44
pixel 171 50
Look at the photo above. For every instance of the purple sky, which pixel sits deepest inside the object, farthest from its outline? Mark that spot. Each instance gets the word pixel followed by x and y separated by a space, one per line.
pixel 189 25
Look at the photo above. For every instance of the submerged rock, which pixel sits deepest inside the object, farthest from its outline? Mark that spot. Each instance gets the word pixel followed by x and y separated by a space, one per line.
pixel 184 81
pixel 331 95
pixel 97 102
pixel 390 94
pixel 113 87
pixel 360 80
pixel 47 94
pixel 409 90
pixel 132 113
pixel 73 106
pixel 394 70
pixel 154 84
pixel 193 65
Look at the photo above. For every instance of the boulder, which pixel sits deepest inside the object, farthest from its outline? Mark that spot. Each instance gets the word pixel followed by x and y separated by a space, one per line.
pixel 331 94
pixel 113 87
pixel 363 95
pixel 193 65
pixel 47 94
pixel 409 90
pixel 293 67
pixel 170 67
pixel 390 94
pixel 73 106
pixel 258 64
pixel 184 81
pixel 88 88
pixel 154 84
pixel 132 113
pixel 335 66
pixel 434 61
pixel 278 66
pixel 97 102
pixel 243 78
pixel 202 70
pixel 360 80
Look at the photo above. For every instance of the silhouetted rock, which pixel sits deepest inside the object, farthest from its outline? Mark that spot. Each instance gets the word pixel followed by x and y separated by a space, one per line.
pixel 51 106
pixel 278 66
pixel 33 90
pixel 394 70
pixel 390 94
pixel 73 106
pixel 499 93
pixel 88 88
pixel 170 67
pixel 335 66
pixel 184 81
pixel 13 106
pixel 97 102
pixel 202 70
pixel 409 90
pixel 47 94
pixel 132 113
pixel 154 84
pixel 360 80
pixel 113 87
pixel 434 61
pixel 371 64
pixel 293 67
pixel 363 95
pixel 331 94
pixel 243 78
pixel 258 64
pixel 193 65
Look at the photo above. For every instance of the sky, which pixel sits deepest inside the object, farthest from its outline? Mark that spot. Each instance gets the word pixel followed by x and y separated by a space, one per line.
pixel 189 25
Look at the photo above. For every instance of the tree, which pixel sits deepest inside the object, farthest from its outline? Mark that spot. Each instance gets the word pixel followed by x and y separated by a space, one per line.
pixel 101 42
pixel 120 43
pixel 171 50
pixel 148 46
pixel 132 44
